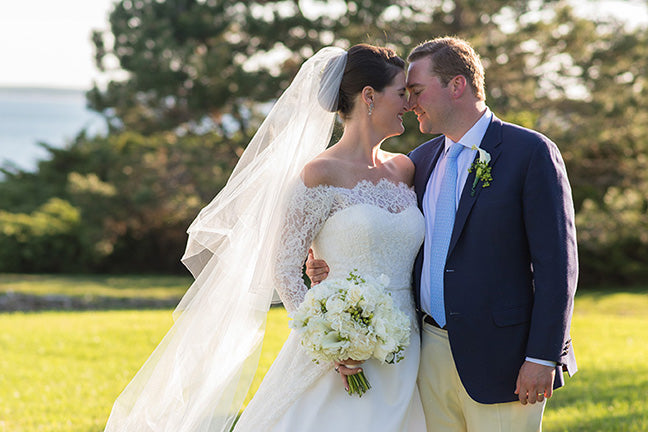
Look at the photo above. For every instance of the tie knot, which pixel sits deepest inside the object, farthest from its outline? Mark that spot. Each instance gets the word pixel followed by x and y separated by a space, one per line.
pixel 454 150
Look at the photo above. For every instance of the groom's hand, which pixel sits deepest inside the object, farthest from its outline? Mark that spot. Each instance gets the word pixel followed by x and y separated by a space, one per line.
pixel 534 382
pixel 317 270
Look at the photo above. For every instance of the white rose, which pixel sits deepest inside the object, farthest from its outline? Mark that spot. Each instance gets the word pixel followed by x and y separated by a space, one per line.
pixel 335 305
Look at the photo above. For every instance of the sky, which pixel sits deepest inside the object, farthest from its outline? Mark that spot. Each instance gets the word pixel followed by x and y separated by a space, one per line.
pixel 46 43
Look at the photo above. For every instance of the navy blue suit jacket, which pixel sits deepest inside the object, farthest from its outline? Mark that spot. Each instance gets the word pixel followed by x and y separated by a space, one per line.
pixel 511 270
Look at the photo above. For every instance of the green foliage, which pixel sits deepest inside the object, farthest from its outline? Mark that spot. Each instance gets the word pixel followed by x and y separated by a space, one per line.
pixel 191 60
pixel 134 196
pixel 613 237
pixel 43 241
pixel 25 191
pixel 596 93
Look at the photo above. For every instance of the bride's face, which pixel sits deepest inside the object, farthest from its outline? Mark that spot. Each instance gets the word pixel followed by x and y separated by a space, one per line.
pixel 389 106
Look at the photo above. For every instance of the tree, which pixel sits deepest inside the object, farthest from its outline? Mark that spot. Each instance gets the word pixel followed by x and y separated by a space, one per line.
pixel 201 73
pixel 581 82
pixel 128 201
pixel 193 63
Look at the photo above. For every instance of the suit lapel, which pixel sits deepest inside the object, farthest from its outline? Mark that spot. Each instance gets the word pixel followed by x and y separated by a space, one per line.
pixel 490 143
pixel 429 164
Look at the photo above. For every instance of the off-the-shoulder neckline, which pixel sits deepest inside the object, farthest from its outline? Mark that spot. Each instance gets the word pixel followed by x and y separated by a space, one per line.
pixel 383 180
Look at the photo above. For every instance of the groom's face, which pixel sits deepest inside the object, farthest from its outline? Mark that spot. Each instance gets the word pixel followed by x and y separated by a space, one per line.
pixel 429 98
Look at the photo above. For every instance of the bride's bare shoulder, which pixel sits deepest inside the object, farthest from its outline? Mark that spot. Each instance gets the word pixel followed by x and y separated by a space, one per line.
pixel 402 167
pixel 323 170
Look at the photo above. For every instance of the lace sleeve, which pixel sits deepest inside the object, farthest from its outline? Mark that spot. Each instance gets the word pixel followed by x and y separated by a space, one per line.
pixel 307 211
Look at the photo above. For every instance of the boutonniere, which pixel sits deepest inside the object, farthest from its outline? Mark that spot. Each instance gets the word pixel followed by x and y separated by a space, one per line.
pixel 482 169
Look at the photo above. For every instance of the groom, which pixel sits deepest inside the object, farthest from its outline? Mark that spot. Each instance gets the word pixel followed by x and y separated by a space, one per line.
pixel 496 277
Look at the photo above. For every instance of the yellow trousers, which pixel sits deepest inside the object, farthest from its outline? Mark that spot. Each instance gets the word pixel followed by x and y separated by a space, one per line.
pixel 447 405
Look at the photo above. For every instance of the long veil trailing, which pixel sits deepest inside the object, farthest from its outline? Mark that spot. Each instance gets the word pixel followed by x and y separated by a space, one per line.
pixel 197 378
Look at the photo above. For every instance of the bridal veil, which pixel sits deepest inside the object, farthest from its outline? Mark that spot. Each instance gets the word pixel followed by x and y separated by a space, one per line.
pixel 198 376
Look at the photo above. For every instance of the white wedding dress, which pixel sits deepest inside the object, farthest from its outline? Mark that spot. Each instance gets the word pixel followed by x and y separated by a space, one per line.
pixel 376 229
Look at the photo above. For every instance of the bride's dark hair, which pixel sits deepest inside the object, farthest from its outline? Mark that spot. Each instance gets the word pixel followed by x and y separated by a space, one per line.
pixel 366 65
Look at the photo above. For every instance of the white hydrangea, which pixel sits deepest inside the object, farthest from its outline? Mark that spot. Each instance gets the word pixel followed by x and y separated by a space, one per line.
pixel 352 318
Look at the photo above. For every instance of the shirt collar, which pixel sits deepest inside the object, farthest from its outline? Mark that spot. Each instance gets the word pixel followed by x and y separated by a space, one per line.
pixel 475 134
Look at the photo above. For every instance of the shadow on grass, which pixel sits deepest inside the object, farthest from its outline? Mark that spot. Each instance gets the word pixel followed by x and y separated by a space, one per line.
pixel 24 292
pixel 110 281
pixel 18 302
pixel 600 292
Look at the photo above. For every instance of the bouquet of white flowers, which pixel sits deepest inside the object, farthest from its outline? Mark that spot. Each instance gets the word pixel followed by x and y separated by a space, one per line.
pixel 352 318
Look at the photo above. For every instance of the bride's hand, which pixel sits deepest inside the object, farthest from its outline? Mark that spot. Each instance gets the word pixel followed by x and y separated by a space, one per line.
pixel 317 270
pixel 347 367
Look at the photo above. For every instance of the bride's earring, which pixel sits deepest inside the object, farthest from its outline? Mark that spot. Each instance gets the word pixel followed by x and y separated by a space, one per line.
pixel 371 107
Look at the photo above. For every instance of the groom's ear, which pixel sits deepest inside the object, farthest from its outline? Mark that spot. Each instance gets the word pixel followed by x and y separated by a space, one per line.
pixel 457 86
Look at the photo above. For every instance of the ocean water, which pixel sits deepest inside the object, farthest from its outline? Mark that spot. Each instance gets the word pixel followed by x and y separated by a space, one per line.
pixel 29 116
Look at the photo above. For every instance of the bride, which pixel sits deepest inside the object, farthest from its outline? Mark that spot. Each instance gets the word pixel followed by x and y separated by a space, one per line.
pixel 354 205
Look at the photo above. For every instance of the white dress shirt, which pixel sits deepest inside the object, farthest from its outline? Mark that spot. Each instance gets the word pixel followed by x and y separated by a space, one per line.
pixel 465 159
pixel 474 137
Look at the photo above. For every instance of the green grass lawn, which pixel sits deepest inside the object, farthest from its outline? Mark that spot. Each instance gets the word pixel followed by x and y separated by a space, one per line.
pixel 61 371
pixel 610 391
pixel 91 287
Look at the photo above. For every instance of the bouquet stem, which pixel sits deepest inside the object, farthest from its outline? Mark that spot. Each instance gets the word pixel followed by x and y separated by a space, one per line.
pixel 358 384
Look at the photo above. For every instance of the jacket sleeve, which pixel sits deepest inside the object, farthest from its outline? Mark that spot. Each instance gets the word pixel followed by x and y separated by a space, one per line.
pixel 551 233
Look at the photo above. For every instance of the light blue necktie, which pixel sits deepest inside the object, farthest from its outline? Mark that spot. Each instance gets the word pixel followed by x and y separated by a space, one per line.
pixel 444 217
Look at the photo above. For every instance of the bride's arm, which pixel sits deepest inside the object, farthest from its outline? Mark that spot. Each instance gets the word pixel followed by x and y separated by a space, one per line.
pixel 307 211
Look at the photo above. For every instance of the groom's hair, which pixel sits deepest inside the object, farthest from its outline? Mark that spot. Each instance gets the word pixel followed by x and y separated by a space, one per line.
pixel 450 57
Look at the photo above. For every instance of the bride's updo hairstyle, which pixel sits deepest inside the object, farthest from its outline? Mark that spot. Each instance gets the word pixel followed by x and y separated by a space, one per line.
pixel 366 65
